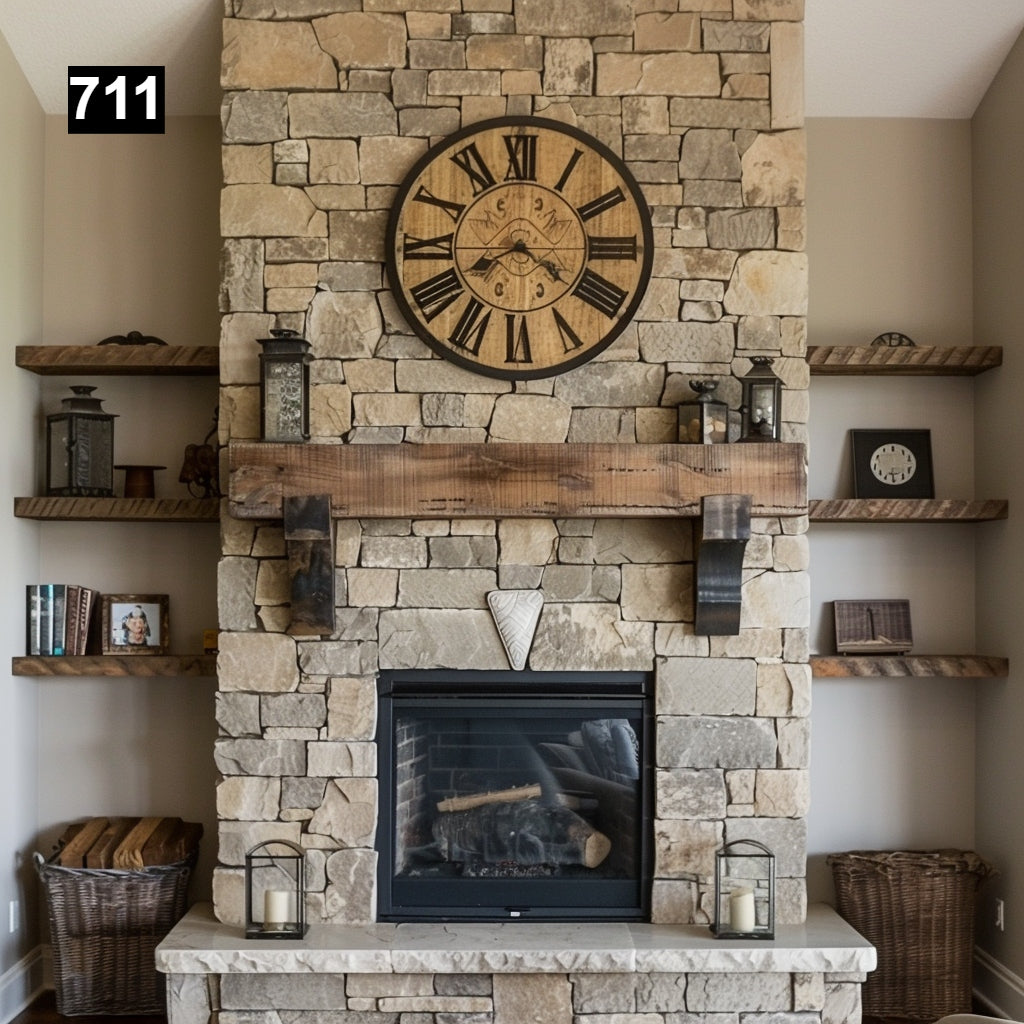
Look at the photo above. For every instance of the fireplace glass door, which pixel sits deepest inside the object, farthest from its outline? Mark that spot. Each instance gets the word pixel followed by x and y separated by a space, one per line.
pixel 514 795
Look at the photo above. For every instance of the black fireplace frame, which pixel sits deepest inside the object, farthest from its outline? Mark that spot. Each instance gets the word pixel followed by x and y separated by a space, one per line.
pixel 487 899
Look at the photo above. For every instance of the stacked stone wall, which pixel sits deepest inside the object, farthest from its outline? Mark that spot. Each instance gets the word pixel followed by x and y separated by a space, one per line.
pixel 327 104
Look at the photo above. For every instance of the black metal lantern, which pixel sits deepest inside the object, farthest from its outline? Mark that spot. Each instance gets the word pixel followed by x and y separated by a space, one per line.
pixel 275 891
pixel 80 447
pixel 284 387
pixel 704 419
pixel 744 891
pixel 762 402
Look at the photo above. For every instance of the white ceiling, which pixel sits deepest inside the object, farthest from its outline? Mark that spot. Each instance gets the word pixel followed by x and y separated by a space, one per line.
pixel 865 58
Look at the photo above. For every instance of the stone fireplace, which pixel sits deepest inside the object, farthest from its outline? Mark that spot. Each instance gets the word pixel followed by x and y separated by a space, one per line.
pixel 327 105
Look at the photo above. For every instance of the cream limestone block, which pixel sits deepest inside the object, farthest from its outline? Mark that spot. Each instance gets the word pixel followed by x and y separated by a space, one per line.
pixel 333 161
pixel 348 536
pixel 228 899
pixel 374 588
pixel 645 115
pixel 694 264
pixel 251 798
pixel 792 228
pixel 684 847
pixel 775 170
pixel 377 985
pixel 640 541
pixel 330 411
pixel 236 838
pixel 657 426
pixel 690 793
pixel 575 18
pixel 667 31
pixel 782 793
pixel 659 74
pixel 348 812
pixel 677 640
pixel 527 541
pixel 344 325
pixel 358 40
pixel 501 51
pixel 568 67
pixel 239 346
pixel 768 10
pixel 342 760
pixel 385 159
pixel 351 887
pixel 273 582
pixel 794 742
pixel 532 998
pixel 236 535
pixel 776 600
pixel 269 210
pixel 783 690
pixel 383 410
pixel 598 638
pixel 657 593
pixel 787 75
pixel 428 25
pixel 791 553
pixel 274 55
pixel 258 662
pixel 330 115
pixel 768 283
pixel 746 87
pixel 276 618
pixel 351 708
pixel 535 418
pixel 733 991
pixel 675 902
pixel 706 686
pixel 247 165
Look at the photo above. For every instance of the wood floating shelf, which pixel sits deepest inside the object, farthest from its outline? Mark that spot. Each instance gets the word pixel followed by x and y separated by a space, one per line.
pixel 945 666
pixel 126 510
pixel 515 480
pixel 903 360
pixel 905 510
pixel 133 665
pixel 119 360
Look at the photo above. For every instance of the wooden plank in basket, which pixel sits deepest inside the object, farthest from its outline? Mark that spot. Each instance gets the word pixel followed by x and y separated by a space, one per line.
pixel 101 853
pixel 129 851
pixel 79 840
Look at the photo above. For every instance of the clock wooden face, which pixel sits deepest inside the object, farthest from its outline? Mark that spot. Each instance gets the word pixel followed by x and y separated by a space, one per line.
pixel 519 247
pixel 893 463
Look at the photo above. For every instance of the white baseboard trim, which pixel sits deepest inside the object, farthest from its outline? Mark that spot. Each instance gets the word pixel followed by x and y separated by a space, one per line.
pixel 997 988
pixel 20 985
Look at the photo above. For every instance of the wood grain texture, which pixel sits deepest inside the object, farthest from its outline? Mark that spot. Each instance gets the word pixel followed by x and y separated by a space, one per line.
pixel 152 510
pixel 521 480
pixel 916 360
pixel 117 665
pixel 941 666
pixel 905 510
pixel 119 360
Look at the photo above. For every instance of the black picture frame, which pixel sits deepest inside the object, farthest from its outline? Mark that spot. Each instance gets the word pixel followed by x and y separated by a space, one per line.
pixel 863 445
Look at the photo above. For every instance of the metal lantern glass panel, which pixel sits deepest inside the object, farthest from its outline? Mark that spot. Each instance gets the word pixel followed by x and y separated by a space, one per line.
pixel 284 387
pixel 744 891
pixel 80 447
pixel 704 419
pixel 762 402
pixel 275 891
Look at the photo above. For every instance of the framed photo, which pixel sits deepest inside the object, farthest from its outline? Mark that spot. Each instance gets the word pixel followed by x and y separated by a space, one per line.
pixel 892 463
pixel 873 627
pixel 134 623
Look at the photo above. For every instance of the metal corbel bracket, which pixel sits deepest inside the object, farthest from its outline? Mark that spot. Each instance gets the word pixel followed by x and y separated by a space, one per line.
pixel 724 529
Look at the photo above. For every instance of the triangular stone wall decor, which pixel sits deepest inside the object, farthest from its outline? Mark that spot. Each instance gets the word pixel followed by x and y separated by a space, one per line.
pixel 516 613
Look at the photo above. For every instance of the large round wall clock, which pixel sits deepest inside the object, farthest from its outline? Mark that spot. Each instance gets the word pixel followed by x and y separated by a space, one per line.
pixel 519 247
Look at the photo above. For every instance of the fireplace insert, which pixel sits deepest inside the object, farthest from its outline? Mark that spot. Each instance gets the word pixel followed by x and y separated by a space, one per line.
pixel 508 795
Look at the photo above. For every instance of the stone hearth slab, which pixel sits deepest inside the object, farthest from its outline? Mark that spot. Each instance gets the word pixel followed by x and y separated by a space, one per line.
pixel 199 944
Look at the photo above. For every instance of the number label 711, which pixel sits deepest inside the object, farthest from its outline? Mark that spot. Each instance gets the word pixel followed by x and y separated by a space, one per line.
pixel 116 100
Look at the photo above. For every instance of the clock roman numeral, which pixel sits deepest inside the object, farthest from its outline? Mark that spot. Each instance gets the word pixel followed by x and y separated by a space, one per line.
pixel 573 160
pixel 437 293
pixel 570 339
pixel 604 296
pixel 517 340
pixel 469 160
pixel 468 334
pixel 522 157
pixel 423 195
pixel 439 248
pixel 609 247
pixel 601 203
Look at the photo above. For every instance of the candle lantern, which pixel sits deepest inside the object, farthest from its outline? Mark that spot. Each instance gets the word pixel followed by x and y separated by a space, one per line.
pixel 762 402
pixel 744 891
pixel 704 419
pixel 275 891
pixel 80 447
pixel 284 387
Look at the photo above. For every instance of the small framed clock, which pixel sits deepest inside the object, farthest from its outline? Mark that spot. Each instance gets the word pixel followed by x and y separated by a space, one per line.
pixel 892 463
pixel 519 247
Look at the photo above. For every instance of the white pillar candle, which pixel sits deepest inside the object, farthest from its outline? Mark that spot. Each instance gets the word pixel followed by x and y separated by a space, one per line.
pixel 741 910
pixel 276 909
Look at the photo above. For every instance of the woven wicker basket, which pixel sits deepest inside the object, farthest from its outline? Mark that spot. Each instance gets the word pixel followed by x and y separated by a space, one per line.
pixel 917 909
pixel 105 924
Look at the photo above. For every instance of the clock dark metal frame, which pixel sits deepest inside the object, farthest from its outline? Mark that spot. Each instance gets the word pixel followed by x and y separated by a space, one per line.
pixel 438 151
pixel 864 443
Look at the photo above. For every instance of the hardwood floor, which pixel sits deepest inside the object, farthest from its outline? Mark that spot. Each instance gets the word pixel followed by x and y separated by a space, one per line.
pixel 44 1011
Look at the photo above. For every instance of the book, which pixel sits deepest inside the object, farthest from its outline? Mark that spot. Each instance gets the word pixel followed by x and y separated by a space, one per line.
pixel 58 604
pixel 58 618
pixel 34 619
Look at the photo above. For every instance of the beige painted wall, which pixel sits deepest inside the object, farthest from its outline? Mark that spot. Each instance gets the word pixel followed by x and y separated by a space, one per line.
pixel 889 244
pixel 998 137
pixel 132 243
pixel 21 238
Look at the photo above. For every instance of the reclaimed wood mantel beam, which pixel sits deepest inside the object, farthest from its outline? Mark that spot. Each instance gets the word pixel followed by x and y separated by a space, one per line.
pixel 515 480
